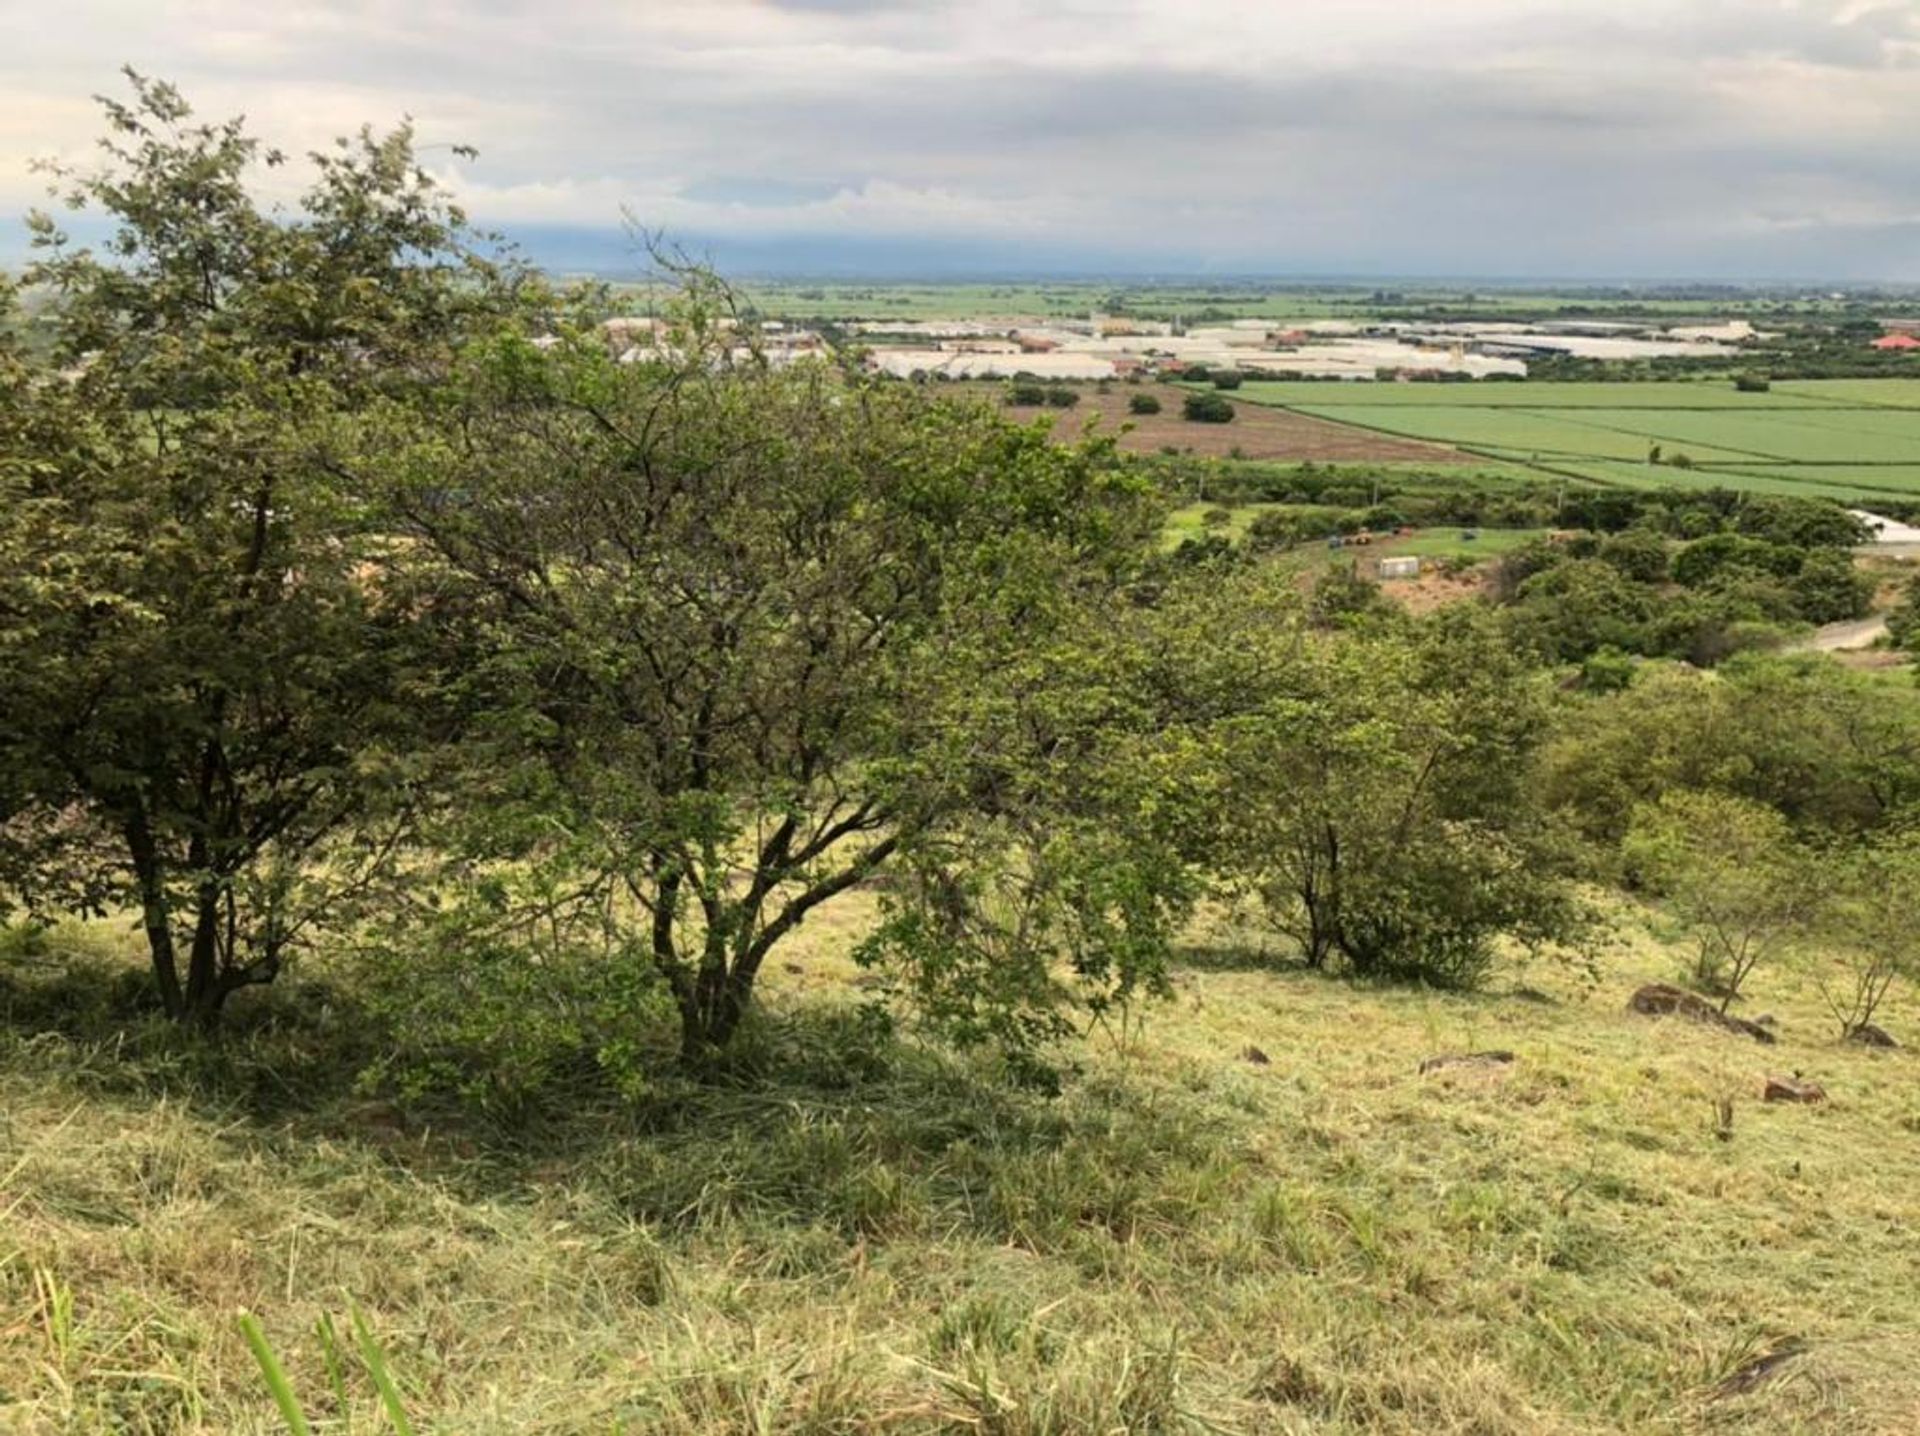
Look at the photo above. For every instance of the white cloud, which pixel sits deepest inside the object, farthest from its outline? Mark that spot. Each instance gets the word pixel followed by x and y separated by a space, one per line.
pixel 1588 136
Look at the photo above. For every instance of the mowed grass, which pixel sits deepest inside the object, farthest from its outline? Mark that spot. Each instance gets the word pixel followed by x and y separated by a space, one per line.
pixel 1847 439
pixel 1188 1240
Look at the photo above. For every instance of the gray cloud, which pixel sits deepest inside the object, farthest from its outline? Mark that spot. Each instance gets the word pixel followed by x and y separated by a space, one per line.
pixel 1727 137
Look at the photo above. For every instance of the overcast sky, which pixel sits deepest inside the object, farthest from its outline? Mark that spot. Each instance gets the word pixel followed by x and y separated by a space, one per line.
pixel 1595 138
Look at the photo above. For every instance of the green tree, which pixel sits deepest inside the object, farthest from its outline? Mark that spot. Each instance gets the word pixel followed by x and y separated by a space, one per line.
pixel 1903 621
pixel 1143 404
pixel 1564 613
pixel 759 634
pixel 1876 890
pixel 212 668
pixel 1640 554
pixel 1207 409
pixel 1731 871
pixel 1830 589
pixel 1375 800
pixel 1718 554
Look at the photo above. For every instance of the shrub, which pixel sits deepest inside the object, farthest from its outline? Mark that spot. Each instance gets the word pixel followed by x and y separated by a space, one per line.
pixel 1227 379
pixel 1872 923
pixel 1207 409
pixel 1903 623
pixel 1829 589
pixel 1276 528
pixel 1752 383
pixel 1059 396
pixel 1734 876
pixel 1143 404
pixel 1024 395
pixel 1607 670
pixel 1718 554
pixel 1637 553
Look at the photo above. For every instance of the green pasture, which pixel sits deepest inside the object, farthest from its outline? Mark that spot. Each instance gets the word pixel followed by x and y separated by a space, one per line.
pixel 1454 543
pixel 1521 394
pixel 1847 439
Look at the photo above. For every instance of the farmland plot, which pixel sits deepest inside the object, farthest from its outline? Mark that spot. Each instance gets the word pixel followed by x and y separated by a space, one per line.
pixel 1847 439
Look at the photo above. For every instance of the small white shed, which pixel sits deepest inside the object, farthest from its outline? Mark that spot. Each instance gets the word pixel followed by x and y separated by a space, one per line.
pixel 1403 567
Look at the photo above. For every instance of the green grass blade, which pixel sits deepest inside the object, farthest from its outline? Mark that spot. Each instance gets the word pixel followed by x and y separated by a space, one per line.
pixel 276 1378
pixel 376 1360
pixel 336 1367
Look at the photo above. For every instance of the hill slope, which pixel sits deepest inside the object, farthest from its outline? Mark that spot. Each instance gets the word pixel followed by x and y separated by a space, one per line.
pixel 1190 1239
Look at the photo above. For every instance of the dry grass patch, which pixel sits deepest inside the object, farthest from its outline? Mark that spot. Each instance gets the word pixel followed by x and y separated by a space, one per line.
pixel 1258 431
pixel 1186 1241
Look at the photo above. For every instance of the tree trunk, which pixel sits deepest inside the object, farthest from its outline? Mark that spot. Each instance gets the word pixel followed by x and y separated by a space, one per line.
pixel 150 874
pixel 205 992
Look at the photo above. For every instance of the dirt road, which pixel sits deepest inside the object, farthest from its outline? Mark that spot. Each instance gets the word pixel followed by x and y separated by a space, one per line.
pixel 1838 637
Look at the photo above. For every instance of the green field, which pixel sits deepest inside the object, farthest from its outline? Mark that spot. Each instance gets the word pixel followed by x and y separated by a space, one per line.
pixel 1849 439
pixel 1245 298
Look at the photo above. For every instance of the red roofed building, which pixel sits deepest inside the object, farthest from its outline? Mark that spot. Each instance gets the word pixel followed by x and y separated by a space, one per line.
pixel 1896 341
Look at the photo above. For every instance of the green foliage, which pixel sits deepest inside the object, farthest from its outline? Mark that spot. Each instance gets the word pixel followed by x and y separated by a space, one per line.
pixel 1752 383
pixel 1732 872
pixel 1799 523
pixel 1344 597
pixel 1903 620
pixel 1227 379
pixel 752 631
pixel 1869 919
pixel 1638 553
pixel 1207 409
pixel 510 996
pixel 214 668
pixel 1143 404
pixel 1606 670
pixel 1829 588
pixel 372 1357
pixel 1565 612
pixel 1373 798
pixel 1709 558
pixel 1833 751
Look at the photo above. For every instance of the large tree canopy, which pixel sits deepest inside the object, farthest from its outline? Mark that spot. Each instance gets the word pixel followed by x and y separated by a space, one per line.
pixel 754 632
pixel 204 676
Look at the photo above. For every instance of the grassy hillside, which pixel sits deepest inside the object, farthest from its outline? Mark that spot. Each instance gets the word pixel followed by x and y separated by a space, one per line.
pixel 1191 1239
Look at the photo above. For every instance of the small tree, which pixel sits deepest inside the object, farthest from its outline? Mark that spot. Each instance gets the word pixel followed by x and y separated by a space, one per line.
pixel 1143 404
pixel 760 634
pixel 1903 622
pixel 1207 409
pixel 1829 588
pixel 1374 798
pixel 1877 890
pixel 1733 874
pixel 1227 379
